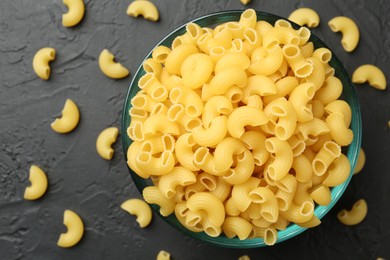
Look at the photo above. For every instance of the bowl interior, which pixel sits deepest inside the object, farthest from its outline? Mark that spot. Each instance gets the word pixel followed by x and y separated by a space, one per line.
pixel 211 20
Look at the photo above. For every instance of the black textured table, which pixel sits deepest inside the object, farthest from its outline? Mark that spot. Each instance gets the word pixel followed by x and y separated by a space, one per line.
pixel 94 188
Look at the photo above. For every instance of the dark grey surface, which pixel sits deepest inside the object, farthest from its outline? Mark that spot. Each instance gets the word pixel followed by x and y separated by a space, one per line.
pixel 80 180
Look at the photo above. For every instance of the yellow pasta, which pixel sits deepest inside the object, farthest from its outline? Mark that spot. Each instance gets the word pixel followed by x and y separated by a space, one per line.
pixel 153 195
pixel 41 61
pixel 244 116
pixel 69 119
pixel 360 162
pixel 163 255
pixel 75 12
pixel 75 230
pixel 356 215
pixel 109 67
pixel 144 8
pixel 140 209
pixel 38 186
pixel 371 74
pixel 349 30
pixel 237 128
pixel 305 16
pixel 104 141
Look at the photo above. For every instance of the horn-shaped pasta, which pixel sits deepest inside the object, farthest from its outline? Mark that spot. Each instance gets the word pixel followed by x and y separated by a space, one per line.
pixel 255 141
pixel 241 193
pixel 184 151
pixel 330 90
pixel 328 153
pixel 299 99
pixel 349 30
pixel 305 16
pixel 109 67
pixel 189 98
pixel 236 226
pixel 214 134
pixel 302 167
pixel 269 208
pixel 214 107
pixel 69 119
pixel 342 107
pixel 145 8
pixel 266 61
pixel 283 158
pixel 356 215
pixel 339 129
pixel 372 74
pixel 234 59
pixel 226 78
pixel 338 171
pixel 177 56
pixel 300 66
pixel 75 12
pixel 104 141
pixel 210 204
pixel 243 170
pixel 178 176
pixel 131 155
pixel 38 186
pixel 151 165
pixel 153 195
pixel 244 116
pixel 159 124
pixel 75 230
pixel 280 35
pixel 196 70
pixel 260 85
pixel 140 209
pixel 299 213
pixel 224 152
pixel 41 61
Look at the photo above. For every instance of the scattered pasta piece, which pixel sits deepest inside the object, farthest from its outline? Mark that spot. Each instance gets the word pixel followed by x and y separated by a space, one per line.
pixel 371 74
pixel 75 230
pixel 305 17
pixel 38 185
pixel 41 62
pixel 145 8
pixel 244 257
pixel 163 255
pixel 245 2
pixel 360 162
pixel 356 215
pixel 109 67
pixel 104 141
pixel 139 208
pixel 349 30
pixel 69 119
pixel 388 123
pixel 75 12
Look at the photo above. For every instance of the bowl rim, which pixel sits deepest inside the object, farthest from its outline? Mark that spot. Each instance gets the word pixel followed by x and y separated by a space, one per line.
pixel 320 211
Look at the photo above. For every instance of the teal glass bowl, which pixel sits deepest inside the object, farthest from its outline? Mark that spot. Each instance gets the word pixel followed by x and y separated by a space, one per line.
pixel 352 151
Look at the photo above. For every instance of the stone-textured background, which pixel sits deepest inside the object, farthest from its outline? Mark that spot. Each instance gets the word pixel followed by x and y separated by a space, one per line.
pixel 80 180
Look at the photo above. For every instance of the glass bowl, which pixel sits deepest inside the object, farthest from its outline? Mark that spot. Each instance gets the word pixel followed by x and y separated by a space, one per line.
pixel 349 95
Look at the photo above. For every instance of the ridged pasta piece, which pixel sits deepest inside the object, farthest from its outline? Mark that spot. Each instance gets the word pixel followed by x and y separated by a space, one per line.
pixel 222 191
pixel 285 198
pixel 269 234
pixel 231 76
pixel 216 53
pixel 178 176
pixel 349 30
pixel 168 80
pixel 328 153
pixel 313 222
pixel 159 124
pixel 280 35
pixel 360 161
pixel 284 87
pixel 144 102
pixel 317 77
pixel 305 16
pixel 214 107
pixel 302 167
pixel 193 32
pixel 244 116
pixel 153 87
pixel 132 154
pixel 160 54
pixel 356 215
pixel 210 204
pixel 323 54
pixel 342 107
pixel 236 226
pixel 234 94
pixel 252 40
pixel 338 171
pixel 338 129
pixel 151 165
pixel 184 151
pixel 299 213
pixel 196 70
pixel 240 193
pixel 243 169
pixel 177 56
pixel 321 195
pixel 266 61
pixel 262 27
pixel 372 74
pixel 214 134
pixel 299 99
pixel 163 255
pixel 255 141
pixel 153 195
pixel 224 152
pixel 269 208
pixel 302 192
pixel 313 128
pixel 259 85
pixel 233 59
pixel 307 49
pixel 248 19
pixel 301 67
pixel 283 158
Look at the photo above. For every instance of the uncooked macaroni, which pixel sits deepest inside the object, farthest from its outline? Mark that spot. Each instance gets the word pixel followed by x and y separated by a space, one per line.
pixel 349 30
pixel 104 141
pixel 163 255
pixel 356 215
pixel 372 74
pixel 240 136
pixel 69 119
pixel 360 162
pixel 109 67
pixel 75 12
pixel 305 16
pixel 144 8
pixel 140 209
pixel 38 185
pixel 41 61
pixel 75 229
